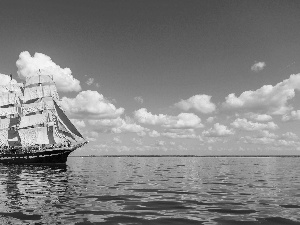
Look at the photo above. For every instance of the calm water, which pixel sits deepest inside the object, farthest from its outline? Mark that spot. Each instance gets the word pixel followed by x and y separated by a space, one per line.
pixel 165 190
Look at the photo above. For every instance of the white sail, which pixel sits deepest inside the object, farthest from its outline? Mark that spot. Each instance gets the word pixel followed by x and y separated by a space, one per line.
pixel 33 120
pixel 32 108
pixel 32 136
pixel 44 104
pixel 37 92
pixel 16 88
pixel 9 98
pixel 28 137
pixel 3 137
pixel 9 111
pixel 4 123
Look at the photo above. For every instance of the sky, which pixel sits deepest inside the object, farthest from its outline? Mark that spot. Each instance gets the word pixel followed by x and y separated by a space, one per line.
pixel 201 77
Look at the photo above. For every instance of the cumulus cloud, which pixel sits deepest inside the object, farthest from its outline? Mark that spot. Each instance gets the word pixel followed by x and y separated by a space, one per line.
pixel 244 124
pixel 181 121
pixel 5 79
pixel 160 143
pixel 117 125
pixel 289 136
pixel 210 119
pixel 153 133
pixel 294 115
pixel 268 99
pixel 137 141
pixel 260 117
pixel 78 123
pixel 90 81
pixel 181 133
pixel 266 134
pixel 117 140
pixel 200 103
pixel 258 140
pixel 90 105
pixel 29 66
pixel 218 130
pixel 270 141
pixel 139 99
pixel 92 136
pixel 258 66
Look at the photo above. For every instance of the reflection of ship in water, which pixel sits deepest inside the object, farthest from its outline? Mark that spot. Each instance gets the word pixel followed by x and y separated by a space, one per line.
pixel 32 192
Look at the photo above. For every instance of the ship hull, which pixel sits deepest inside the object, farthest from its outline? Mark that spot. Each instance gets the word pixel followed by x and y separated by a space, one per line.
pixel 49 156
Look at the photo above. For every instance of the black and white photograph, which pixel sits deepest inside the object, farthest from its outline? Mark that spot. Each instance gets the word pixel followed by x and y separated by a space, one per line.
pixel 150 112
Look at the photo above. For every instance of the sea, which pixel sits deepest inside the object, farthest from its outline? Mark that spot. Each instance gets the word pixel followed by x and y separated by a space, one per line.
pixel 153 190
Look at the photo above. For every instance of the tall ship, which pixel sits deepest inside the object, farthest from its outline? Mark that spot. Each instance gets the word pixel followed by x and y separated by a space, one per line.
pixel 33 126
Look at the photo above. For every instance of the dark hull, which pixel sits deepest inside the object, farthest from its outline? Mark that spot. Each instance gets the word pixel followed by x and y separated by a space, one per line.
pixel 58 155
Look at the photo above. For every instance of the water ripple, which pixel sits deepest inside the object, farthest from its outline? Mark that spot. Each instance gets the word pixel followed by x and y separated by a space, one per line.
pixel 152 191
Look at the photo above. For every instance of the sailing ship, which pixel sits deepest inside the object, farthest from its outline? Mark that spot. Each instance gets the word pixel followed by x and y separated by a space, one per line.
pixel 33 126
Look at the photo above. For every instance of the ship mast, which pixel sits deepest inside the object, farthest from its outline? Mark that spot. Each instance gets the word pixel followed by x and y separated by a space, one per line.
pixel 36 120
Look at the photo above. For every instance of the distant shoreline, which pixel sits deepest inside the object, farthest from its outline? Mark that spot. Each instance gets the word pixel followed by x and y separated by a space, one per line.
pixel 198 156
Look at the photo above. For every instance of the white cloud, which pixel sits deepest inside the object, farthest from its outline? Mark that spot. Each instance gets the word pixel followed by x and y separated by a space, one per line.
pixel 160 143
pixel 153 133
pixel 218 130
pixel 258 66
pixel 117 125
pixel 143 116
pixel 180 133
pixel 139 99
pixel 294 115
pixel 183 120
pixel 117 140
pixel 78 123
pixel 210 119
pixel 268 99
pixel 260 140
pixel 290 136
pixel 137 141
pixel 5 79
pixel 266 134
pixel 244 124
pixel 29 66
pixel 93 134
pixel 270 141
pixel 90 139
pixel 200 103
pixel 90 105
pixel 260 117
pixel 90 81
